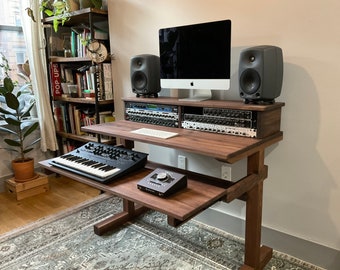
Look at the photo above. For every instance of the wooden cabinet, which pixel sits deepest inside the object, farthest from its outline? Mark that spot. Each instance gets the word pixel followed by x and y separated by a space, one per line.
pixel 72 66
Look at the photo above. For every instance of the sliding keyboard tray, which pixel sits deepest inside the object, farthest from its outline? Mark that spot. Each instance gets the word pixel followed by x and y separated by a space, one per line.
pixel 179 207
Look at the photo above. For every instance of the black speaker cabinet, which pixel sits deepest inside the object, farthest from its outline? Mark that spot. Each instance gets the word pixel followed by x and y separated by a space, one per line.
pixel 145 75
pixel 260 74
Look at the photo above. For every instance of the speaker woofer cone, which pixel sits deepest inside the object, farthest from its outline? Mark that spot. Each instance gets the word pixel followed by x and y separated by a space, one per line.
pixel 139 80
pixel 250 81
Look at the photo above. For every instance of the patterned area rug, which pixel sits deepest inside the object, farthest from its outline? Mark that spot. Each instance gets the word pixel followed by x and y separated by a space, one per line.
pixel 67 241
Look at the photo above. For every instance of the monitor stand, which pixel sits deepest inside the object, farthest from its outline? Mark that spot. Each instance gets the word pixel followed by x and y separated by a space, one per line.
pixel 197 95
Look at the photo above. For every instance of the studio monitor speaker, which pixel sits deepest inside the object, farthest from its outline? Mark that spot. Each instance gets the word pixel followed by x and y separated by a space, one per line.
pixel 260 74
pixel 145 75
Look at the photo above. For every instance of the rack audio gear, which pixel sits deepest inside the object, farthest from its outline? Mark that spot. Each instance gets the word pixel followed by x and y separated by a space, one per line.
pixel 223 121
pixel 151 113
pixel 252 121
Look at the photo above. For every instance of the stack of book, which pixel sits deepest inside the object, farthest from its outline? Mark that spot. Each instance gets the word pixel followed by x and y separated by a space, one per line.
pixel 88 79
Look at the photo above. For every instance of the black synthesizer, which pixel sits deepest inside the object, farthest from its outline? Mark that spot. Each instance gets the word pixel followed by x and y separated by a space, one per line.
pixel 100 162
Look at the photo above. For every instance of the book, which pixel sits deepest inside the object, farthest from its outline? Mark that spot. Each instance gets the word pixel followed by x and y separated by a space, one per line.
pixel 78 121
pixel 65 116
pixel 74 52
pixel 103 81
pixel 80 84
pixel 55 79
pixel 107 75
pixel 59 121
pixel 71 117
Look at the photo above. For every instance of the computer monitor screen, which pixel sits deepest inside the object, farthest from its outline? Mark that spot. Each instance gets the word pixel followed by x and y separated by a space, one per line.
pixel 196 56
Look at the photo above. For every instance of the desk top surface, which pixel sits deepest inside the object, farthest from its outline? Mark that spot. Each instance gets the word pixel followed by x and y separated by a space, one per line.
pixel 226 148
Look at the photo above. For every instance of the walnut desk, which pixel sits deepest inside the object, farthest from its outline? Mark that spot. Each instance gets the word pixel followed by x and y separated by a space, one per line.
pixel 202 191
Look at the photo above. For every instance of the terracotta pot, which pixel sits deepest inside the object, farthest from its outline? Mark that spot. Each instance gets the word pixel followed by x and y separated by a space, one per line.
pixel 23 170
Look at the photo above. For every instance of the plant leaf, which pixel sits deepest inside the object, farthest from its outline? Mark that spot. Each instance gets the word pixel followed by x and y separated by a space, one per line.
pixel 26 124
pixel 31 129
pixel 12 101
pixel 55 25
pixel 8 84
pixel 12 120
pixel 34 142
pixel 2 110
pixel 28 150
pixel 12 142
pixel 48 12
pixel 26 112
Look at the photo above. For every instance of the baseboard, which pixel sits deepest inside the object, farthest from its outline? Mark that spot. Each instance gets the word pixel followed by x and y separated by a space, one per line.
pixel 307 251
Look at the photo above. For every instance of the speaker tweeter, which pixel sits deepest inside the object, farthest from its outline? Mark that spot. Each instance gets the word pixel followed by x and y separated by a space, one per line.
pixel 260 74
pixel 145 75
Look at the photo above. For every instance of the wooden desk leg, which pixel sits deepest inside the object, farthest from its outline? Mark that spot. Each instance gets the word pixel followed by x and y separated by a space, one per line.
pixel 129 212
pixel 256 257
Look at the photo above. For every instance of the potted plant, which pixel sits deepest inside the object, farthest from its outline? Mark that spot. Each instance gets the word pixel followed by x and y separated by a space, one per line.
pixel 14 114
pixel 60 9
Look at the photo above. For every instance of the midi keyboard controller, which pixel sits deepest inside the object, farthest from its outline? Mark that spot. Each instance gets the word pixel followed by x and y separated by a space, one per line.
pixel 101 162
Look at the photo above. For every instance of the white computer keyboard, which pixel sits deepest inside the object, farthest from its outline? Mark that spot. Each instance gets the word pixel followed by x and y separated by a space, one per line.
pixel 155 133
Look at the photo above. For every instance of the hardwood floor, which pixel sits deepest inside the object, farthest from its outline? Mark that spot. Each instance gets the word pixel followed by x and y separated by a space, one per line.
pixel 63 193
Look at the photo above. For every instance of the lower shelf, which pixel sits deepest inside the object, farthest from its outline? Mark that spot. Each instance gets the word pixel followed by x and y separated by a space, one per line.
pixel 180 206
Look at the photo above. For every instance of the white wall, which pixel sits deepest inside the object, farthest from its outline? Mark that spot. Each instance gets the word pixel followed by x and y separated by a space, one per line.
pixel 302 192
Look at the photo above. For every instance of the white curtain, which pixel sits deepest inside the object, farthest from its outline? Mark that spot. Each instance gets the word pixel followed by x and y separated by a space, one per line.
pixel 35 43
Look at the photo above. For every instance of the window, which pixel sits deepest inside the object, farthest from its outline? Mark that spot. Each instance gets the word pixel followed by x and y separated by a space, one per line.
pixel 12 41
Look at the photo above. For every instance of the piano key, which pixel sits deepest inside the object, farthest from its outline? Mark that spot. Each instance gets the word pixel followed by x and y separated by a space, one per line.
pixel 98 171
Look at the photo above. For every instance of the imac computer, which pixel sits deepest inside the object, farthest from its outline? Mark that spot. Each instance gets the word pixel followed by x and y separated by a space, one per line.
pixel 196 57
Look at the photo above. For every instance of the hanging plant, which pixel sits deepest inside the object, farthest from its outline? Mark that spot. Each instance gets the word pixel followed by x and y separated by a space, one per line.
pixel 59 9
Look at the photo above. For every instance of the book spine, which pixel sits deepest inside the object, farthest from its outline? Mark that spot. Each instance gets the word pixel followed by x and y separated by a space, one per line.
pixel 59 122
pixel 71 117
pixel 80 84
pixel 78 121
pixel 108 89
pixel 89 80
pixel 101 82
pixel 97 82
pixel 65 115
pixel 55 79
pixel 74 44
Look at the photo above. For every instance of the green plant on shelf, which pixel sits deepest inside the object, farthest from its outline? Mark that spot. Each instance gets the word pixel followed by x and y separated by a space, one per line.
pixel 59 9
